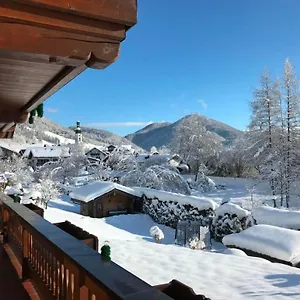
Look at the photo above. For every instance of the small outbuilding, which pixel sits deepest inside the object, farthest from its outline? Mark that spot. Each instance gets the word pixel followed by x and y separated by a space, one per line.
pixel 103 198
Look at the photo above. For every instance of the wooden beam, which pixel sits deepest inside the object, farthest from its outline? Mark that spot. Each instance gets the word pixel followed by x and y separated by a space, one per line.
pixel 117 11
pixel 19 13
pixel 11 116
pixel 97 53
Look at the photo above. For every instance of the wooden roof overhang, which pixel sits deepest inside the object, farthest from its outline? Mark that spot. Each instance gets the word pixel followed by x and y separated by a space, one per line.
pixel 44 44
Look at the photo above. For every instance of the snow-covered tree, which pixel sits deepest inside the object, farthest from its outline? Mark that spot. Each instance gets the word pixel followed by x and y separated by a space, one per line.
pixel 196 149
pixel 157 177
pixel 48 191
pixel 19 167
pixel 291 98
pixel 153 149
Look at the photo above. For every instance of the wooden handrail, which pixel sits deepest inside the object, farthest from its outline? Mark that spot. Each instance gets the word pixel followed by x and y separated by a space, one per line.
pixel 62 267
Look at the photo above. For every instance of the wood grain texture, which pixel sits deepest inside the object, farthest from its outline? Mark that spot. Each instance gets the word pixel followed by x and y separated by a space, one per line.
pixel 45 44
pixel 119 11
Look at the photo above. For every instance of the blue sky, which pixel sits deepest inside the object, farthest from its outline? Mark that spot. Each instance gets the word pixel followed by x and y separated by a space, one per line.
pixel 201 56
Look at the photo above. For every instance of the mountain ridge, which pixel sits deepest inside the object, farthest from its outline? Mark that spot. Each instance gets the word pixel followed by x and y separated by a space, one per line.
pixel 162 133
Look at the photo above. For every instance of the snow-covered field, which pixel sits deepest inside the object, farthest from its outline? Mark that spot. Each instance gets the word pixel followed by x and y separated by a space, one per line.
pixel 239 190
pixel 216 275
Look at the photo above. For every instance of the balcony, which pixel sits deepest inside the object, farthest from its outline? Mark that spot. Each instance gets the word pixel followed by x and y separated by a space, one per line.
pixel 56 265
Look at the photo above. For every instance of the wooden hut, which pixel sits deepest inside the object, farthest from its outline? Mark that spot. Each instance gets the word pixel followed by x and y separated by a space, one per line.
pixel 103 198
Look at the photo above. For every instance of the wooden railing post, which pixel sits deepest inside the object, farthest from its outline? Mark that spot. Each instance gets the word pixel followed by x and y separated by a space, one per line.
pixel 5 224
pixel 25 246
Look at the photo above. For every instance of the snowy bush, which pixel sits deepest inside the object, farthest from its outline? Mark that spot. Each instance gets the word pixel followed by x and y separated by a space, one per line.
pixel 230 218
pixel 157 177
pixel 48 190
pixel 156 234
pixel 203 183
pixel 196 244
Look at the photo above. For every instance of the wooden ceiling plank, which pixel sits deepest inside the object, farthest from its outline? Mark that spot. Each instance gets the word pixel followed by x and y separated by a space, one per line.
pixel 32 39
pixel 20 13
pixel 118 11
pixel 45 61
pixel 56 83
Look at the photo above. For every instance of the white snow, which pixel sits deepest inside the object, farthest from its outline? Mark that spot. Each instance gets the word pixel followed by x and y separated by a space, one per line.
pixel 232 208
pixel 61 139
pixel 277 217
pixel 13 190
pixel 233 251
pixel 48 151
pixel 96 189
pixel 198 202
pixel 280 243
pixel 215 275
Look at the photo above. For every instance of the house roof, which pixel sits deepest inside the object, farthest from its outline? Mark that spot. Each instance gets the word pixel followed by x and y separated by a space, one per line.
pixel 45 44
pixel 97 149
pixel 96 189
pixel 40 152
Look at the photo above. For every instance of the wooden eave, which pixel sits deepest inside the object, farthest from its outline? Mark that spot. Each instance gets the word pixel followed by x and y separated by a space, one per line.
pixel 44 44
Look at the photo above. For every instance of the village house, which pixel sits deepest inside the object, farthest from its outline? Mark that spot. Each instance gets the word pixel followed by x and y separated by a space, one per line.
pixel 96 154
pixel 111 148
pixel 38 156
pixel 103 198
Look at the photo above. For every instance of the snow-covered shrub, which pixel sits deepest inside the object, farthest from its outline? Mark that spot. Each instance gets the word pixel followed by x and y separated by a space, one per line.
pixel 203 183
pixel 48 190
pixel 196 244
pixel 156 234
pixel 157 177
pixel 230 218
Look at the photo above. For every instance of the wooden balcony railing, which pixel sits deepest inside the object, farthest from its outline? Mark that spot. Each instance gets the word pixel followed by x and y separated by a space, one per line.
pixel 62 267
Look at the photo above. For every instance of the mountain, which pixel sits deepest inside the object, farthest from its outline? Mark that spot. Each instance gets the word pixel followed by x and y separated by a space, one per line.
pixel 46 131
pixel 161 134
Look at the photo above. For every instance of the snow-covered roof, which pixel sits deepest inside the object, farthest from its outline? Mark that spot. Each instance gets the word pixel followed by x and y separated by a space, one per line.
pixel 280 243
pixel 200 203
pixel 48 151
pixel 231 208
pixel 12 190
pixel 148 157
pixel 117 174
pixel 96 189
pixel 277 217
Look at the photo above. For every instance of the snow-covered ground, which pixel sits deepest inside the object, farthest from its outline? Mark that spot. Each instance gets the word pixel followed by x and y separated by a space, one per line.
pixel 239 191
pixel 216 275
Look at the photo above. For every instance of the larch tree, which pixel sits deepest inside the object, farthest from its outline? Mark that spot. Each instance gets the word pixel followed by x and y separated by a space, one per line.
pixel 264 122
pixel 291 98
